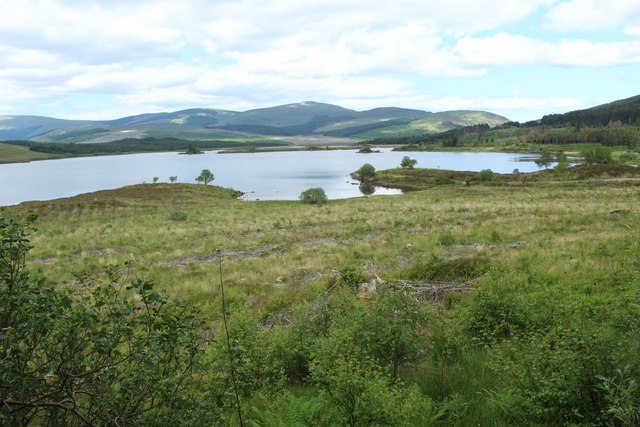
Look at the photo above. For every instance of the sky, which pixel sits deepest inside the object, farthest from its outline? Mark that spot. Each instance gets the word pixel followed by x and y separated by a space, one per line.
pixel 84 59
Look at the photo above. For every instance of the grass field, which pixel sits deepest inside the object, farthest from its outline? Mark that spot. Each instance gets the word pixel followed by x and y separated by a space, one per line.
pixel 547 252
pixel 13 154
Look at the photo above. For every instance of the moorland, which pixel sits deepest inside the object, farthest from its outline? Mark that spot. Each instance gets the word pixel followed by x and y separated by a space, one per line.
pixel 474 299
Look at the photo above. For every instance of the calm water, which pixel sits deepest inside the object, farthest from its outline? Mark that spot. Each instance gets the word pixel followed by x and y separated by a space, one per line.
pixel 264 176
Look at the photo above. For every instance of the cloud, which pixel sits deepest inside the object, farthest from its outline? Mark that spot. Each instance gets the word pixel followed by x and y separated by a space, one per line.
pixel 507 49
pixel 125 57
pixel 587 15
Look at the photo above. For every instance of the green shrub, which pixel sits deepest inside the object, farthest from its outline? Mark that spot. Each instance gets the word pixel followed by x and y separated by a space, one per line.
pixel 314 196
pixel 351 276
pixel 497 314
pixel 177 216
pixel 366 172
pixel 442 177
pixel 456 269
pixel 446 238
pixel 485 175
pixel 597 156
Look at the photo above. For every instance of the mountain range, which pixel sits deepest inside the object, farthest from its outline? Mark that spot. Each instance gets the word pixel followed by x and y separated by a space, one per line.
pixel 299 119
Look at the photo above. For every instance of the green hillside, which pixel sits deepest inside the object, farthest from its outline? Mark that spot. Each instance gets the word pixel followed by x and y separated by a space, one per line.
pixel 299 119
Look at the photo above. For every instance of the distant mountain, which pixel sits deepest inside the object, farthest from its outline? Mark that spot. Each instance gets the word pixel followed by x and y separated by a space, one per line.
pixel 300 119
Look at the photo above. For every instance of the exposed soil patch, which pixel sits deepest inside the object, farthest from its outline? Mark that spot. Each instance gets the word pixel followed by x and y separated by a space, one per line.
pixel 98 252
pixel 251 253
pixel 45 260
pixel 327 241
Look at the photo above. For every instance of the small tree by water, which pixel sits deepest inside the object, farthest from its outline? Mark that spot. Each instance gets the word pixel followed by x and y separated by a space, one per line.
pixel 366 172
pixel 314 196
pixel 205 177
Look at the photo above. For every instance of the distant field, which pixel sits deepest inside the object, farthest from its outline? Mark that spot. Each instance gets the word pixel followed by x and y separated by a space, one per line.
pixel 14 154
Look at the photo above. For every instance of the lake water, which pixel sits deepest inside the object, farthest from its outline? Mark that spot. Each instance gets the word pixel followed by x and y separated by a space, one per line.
pixel 262 176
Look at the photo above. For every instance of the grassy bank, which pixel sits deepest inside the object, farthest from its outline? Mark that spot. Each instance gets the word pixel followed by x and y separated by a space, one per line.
pixel 16 154
pixel 527 290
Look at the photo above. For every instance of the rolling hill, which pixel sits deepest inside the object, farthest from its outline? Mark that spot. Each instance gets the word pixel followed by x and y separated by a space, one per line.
pixel 299 119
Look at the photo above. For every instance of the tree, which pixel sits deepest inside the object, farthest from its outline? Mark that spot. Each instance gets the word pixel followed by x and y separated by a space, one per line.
pixel 109 351
pixel 314 196
pixel 173 179
pixel 155 179
pixel 408 163
pixel 366 172
pixel 545 160
pixel 485 175
pixel 597 155
pixel 562 162
pixel 205 177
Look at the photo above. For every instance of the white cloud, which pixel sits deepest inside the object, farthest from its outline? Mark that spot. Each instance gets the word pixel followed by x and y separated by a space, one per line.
pixel 585 15
pixel 506 49
pixel 153 55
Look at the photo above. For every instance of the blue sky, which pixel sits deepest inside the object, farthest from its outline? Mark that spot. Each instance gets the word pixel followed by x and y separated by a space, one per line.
pixel 522 59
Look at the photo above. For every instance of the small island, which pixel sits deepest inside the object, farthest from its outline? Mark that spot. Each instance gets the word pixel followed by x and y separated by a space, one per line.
pixel 193 150
pixel 366 149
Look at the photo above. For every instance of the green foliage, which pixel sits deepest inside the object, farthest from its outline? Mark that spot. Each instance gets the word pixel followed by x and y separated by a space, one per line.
pixel 314 196
pixel 289 410
pixel 366 149
pixel 111 349
pixel 253 356
pixel 497 313
pixel 545 160
pixel 568 376
pixel 366 172
pixel 485 175
pixel 193 150
pixel 173 179
pixel 205 177
pixel 597 156
pixel 364 395
pixel 389 330
pixel 622 395
pixel 563 163
pixel 442 177
pixel 177 216
pixel 155 179
pixel 446 238
pixel 351 277
pixel 408 163
pixel 456 269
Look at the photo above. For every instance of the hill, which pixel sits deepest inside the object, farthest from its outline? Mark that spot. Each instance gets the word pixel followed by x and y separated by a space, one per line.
pixel 299 119
pixel 624 111
pixel 615 124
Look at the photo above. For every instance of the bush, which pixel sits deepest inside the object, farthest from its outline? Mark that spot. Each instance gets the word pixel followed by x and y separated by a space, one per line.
pixel 314 196
pixel 89 354
pixel 485 175
pixel 177 216
pixel 597 156
pixel 351 276
pixel 366 172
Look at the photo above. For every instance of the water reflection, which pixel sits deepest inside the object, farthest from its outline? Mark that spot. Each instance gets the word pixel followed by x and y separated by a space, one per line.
pixel 367 189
